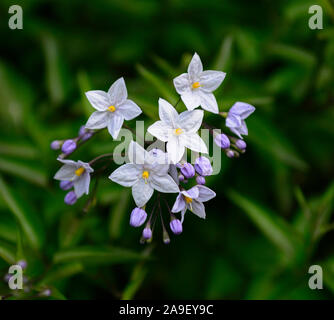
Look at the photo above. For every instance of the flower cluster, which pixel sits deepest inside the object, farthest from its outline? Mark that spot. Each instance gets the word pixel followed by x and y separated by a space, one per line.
pixel 164 170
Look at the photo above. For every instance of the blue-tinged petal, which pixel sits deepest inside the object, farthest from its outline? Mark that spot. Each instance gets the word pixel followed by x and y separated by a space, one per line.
pixel 117 92
pixel 129 109
pixel 98 99
pixel 210 80
pixel 195 68
pixel 242 109
pixel 179 204
pixel 205 193
pixel 233 120
pixel 98 120
pixel 142 192
pixel 164 183
pixel 126 175
pixel 182 83
pixel 115 124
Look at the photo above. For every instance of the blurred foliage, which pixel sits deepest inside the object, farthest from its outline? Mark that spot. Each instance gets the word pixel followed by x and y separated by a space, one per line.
pixel 272 217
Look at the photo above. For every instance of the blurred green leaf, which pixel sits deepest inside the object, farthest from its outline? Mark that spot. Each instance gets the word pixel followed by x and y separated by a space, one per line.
pixel 27 218
pixel 272 142
pixel 271 225
pixel 22 170
pixel 7 252
pixel 117 214
pixel 162 88
pixel 96 255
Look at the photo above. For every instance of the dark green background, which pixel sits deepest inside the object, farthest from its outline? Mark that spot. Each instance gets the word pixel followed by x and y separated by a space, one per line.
pixel 271 218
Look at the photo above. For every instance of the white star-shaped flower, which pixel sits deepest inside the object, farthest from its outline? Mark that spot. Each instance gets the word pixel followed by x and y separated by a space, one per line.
pixel 196 86
pixel 77 172
pixel 145 172
pixel 112 108
pixel 193 200
pixel 236 116
pixel 178 130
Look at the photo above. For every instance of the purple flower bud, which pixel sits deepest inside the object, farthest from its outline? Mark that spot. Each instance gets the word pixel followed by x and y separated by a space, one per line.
pixel 176 226
pixel 66 185
pixel 241 144
pixel 222 141
pixel 138 217
pixel 147 233
pixel 68 146
pixel 181 177
pixel 55 145
pixel 70 198
pixel 84 133
pixel 22 264
pixel 230 153
pixel 188 170
pixel 200 180
pixel 203 166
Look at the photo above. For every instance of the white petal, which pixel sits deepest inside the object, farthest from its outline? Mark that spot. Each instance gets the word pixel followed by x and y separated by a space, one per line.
pixel 142 192
pixel 126 175
pixel 129 110
pixel 192 193
pixel 182 214
pixel 66 172
pixel 198 209
pixel 117 92
pixel 208 101
pixel 205 193
pixel 236 131
pixel 85 165
pixel 81 185
pixel 115 124
pixel 98 99
pixel 136 153
pixel 179 204
pixel 195 68
pixel 160 130
pixel 242 109
pixel 67 161
pixel 243 128
pixel 173 173
pixel 191 99
pixel 191 121
pixel 164 184
pixel 175 149
pixel 194 142
pixel 211 80
pixel 233 121
pixel 167 113
pixel 181 83
pixel 98 120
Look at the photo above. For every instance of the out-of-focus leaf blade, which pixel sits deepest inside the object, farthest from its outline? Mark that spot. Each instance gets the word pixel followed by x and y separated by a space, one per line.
pixel 27 218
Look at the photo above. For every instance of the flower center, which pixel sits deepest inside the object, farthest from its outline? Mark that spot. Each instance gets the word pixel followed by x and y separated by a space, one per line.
pixel 145 175
pixel 195 85
pixel 79 171
pixel 178 131
pixel 112 109
pixel 188 200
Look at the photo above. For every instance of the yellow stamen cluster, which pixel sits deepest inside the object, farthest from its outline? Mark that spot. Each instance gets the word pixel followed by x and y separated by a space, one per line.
pixel 145 175
pixel 79 171
pixel 112 109
pixel 178 131
pixel 195 85
pixel 188 200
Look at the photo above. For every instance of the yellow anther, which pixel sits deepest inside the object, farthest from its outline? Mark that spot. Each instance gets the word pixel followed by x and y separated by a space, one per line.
pixel 145 175
pixel 188 200
pixel 112 109
pixel 196 85
pixel 79 171
pixel 178 131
